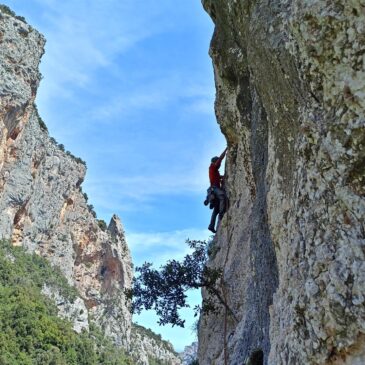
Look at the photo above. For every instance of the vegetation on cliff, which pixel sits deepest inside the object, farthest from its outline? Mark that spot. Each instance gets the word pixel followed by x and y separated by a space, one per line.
pixel 5 9
pixel 30 331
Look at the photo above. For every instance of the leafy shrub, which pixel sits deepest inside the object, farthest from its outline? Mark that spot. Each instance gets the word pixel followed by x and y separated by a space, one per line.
pixel 91 210
pixel 212 249
pixel 31 270
pixel 153 361
pixel 77 159
pixel 68 153
pixel 102 225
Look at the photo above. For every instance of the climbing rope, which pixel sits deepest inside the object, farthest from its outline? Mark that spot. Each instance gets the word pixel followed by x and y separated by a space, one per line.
pixel 223 287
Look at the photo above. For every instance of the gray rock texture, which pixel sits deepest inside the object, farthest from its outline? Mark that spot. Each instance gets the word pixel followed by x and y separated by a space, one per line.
pixel 189 354
pixel 75 311
pixel 290 80
pixel 42 204
pixel 43 207
pixel 148 347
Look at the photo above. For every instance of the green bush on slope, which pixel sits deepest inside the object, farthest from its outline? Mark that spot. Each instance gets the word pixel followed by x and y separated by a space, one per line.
pixel 30 331
pixel 30 271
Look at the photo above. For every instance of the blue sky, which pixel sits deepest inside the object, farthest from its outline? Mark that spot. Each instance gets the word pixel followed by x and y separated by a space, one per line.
pixel 128 86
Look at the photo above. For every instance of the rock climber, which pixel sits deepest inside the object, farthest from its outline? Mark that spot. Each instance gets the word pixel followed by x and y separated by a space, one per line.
pixel 216 187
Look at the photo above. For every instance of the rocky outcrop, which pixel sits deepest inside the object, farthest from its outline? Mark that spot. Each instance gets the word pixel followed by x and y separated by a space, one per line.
pixel 42 204
pixel 148 347
pixel 290 79
pixel 190 354
pixel 73 310
pixel 44 209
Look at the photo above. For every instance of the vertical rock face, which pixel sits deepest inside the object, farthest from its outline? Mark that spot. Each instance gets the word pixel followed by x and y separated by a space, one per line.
pixel 41 202
pixel 290 79
pixel 44 209
pixel 190 354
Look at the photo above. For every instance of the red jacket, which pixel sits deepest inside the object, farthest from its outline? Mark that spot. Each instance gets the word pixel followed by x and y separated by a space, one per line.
pixel 214 175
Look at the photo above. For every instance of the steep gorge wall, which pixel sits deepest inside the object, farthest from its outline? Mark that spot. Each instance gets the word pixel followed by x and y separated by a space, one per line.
pixel 290 80
pixel 44 209
pixel 41 201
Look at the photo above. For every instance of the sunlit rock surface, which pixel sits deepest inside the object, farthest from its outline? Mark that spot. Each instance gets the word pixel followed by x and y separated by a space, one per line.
pixel 149 348
pixel 189 354
pixel 290 80
pixel 44 209
pixel 42 204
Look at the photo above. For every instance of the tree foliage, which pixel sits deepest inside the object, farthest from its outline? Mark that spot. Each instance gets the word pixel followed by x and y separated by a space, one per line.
pixel 30 331
pixel 165 290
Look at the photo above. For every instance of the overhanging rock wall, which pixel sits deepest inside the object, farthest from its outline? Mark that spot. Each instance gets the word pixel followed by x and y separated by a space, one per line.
pixel 290 80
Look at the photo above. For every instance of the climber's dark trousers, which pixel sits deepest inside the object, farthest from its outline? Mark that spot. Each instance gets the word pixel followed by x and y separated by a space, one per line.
pixel 219 207
pixel 214 216
pixel 221 196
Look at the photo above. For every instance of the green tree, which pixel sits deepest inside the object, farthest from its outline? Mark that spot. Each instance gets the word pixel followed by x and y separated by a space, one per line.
pixel 165 290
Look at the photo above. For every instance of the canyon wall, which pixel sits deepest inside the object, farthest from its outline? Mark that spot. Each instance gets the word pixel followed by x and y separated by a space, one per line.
pixel 41 200
pixel 44 209
pixel 290 86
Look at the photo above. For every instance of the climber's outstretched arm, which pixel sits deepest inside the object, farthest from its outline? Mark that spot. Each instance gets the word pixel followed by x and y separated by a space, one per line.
pixel 223 154
pixel 220 159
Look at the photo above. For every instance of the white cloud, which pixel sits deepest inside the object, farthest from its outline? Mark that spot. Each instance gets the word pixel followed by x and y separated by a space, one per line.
pixel 159 93
pixel 159 247
pixel 84 36
pixel 202 106
pixel 141 186
pixel 172 239
pixel 138 192
pixel 126 103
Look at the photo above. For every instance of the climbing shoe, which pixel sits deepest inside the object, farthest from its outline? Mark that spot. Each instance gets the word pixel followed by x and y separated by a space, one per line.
pixel 212 229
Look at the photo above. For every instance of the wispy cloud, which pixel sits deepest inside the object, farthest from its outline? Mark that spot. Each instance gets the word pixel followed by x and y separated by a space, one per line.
pixel 139 190
pixel 142 186
pixel 159 247
pixel 79 44
pixel 124 104
pixel 202 106
pixel 158 94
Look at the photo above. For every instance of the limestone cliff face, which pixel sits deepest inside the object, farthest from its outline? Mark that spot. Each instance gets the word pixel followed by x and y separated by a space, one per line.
pixel 44 209
pixel 149 348
pixel 41 202
pixel 290 79
pixel 190 354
